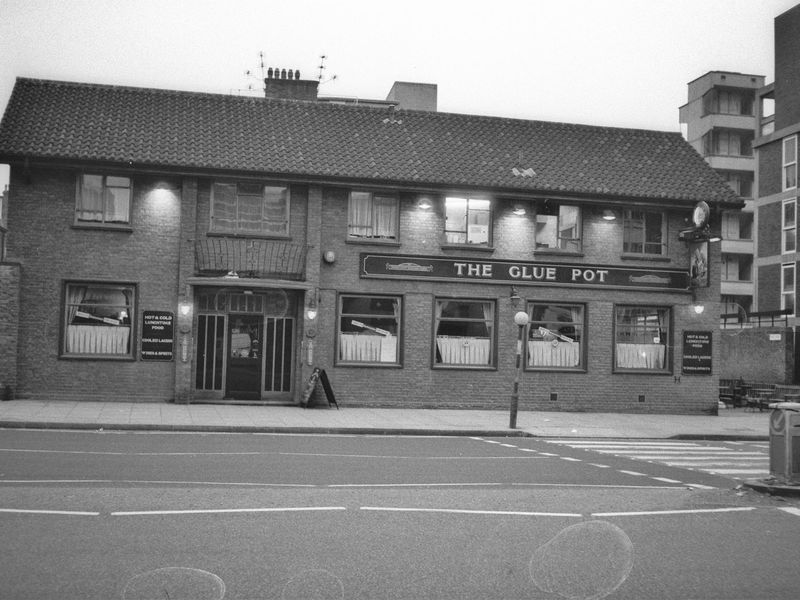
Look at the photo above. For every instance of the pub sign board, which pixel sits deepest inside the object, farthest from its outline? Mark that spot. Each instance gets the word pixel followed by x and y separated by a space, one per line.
pixel 158 333
pixel 696 353
pixel 395 266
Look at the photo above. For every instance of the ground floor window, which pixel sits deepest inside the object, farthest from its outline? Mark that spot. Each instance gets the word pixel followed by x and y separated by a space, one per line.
pixel 555 336
pixel 464 333
pixel 369 328
pixel 98 319
pixel 641 338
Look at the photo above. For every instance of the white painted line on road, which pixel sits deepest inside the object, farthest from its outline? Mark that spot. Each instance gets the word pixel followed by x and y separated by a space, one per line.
pixel 508 445
pixel 692 511
pixel 570 459
pixel 138 513
pixel 471 512
pixel 700 486
pixel 599 466
pixel 665 479
pixel 791 510
pixel 148 482
pixel 387 485
pixel 632 473
pixel 78 513
pixel 738 471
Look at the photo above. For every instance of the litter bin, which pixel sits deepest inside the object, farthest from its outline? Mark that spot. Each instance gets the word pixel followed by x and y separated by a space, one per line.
pixel 784 441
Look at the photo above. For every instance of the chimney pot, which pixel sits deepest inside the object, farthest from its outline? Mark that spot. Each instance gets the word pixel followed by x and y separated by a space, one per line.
pixel 291 74
pixel 283 73
pixel 297 74
pixel 269 73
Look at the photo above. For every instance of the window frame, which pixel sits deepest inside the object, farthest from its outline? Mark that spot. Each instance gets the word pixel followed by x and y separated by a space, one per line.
pixel 789 164
pixel 238 230
pixel 132 309
pixel 340 314
pixel 491 325
pixel 627 221
pixel 373 239
pixel 667 344
pixel 789 227
pixel 468 198
pixel 560 241
pixel 785 294
pixel 105 222
pixel 581 351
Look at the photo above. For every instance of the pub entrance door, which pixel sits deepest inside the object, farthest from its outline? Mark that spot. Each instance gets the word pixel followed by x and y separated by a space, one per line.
pixel 245 346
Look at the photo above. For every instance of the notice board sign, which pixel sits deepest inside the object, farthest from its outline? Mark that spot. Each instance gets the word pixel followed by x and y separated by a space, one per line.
pixel 696 353
pixel 158 332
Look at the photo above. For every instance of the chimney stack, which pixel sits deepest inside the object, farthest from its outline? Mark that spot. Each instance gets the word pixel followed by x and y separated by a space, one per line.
pixel 288 86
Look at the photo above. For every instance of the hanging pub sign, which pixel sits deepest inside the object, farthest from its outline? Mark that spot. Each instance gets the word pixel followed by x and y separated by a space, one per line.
pixel 158 328
pixel 394 266
pixel 696 353
pixel 698 261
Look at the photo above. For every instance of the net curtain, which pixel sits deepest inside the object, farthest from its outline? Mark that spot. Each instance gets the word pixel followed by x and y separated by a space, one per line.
pixel 100 338
pixel 466 350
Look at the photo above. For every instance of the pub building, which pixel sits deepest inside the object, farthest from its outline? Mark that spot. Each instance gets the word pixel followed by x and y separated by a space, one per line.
pixel 169 246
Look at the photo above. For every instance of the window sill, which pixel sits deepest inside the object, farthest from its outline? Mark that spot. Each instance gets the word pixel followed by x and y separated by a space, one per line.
pixel 372 242
pixel 464 368
pixel 647 257
pixel 477 247
pixel 369 365
pixel 256 236
pixel 576 370
pixel 126 228
pixel 640 372
pixel 557 252
pixel 109 357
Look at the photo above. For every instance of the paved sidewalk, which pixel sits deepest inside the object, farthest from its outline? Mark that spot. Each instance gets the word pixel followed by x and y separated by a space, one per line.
pixel 61 414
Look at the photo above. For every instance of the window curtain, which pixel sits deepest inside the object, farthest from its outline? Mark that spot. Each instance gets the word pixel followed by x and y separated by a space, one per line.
pixel 557 352
pixel 97 339
pixel 466 350
pixel 640 350
pixel 117 204
pixel 385 217
pixel 90 201
pixel 359 215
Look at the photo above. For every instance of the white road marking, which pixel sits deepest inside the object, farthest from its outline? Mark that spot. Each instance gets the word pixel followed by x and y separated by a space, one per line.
pixel 791 510
pixel 570 459
pixel 78 513
pixel 665 479
pixel 599 466
pixel 633 473
pixel 138 513
pixel 674 512
pixel 471 512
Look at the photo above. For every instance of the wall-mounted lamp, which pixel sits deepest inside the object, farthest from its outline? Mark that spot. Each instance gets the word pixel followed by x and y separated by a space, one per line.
pixel 424 203
pixel 514 297
pixel 697 306
pixel 714 237
pixel 329 257
pixel 608 215
pixel 185 308
pixel 519 210
pixel 311 309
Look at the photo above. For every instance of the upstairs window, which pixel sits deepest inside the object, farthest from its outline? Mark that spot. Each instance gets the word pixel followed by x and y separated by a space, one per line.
pixel 558 227
pixel 787 287
pixel 103 199
pixel 728 102
pixel 790 163
pixel 644 232
pixel 467 221
pixel 740 182
pixel 728 143
pixel 250 209
pixel 372 217
pixel 789 226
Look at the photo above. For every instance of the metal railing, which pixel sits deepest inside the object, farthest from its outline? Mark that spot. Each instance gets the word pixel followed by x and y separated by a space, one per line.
pixel 764 318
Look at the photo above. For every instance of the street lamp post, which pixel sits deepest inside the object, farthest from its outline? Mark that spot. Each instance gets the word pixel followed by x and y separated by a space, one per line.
pixel 521 319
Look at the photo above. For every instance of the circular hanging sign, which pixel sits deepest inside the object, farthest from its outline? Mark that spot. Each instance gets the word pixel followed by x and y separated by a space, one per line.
pixel 701 214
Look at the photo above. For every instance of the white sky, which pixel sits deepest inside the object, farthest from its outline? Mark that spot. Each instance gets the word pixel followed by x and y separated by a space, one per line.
pixel 621 63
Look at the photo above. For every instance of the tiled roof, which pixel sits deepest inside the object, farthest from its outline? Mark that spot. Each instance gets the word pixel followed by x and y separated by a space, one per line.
pixel 64 121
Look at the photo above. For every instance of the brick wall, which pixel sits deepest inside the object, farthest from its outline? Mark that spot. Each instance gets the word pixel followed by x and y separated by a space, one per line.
pixel 52 252
pixel 764 354
pixel 417 384
pixel 770 169
pixel 787 68
pixel 9 328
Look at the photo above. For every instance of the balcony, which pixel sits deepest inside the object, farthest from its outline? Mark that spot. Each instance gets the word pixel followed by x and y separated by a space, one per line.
pixel 265 259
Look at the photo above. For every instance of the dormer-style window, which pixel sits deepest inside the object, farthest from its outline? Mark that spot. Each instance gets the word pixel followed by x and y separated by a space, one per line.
pixel 250 209
pixel 468 221
pixel 558 227
pixel 103 199
pixel 372 216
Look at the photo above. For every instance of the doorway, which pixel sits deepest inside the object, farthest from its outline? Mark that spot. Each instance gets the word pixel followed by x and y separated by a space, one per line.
pixel 245 358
